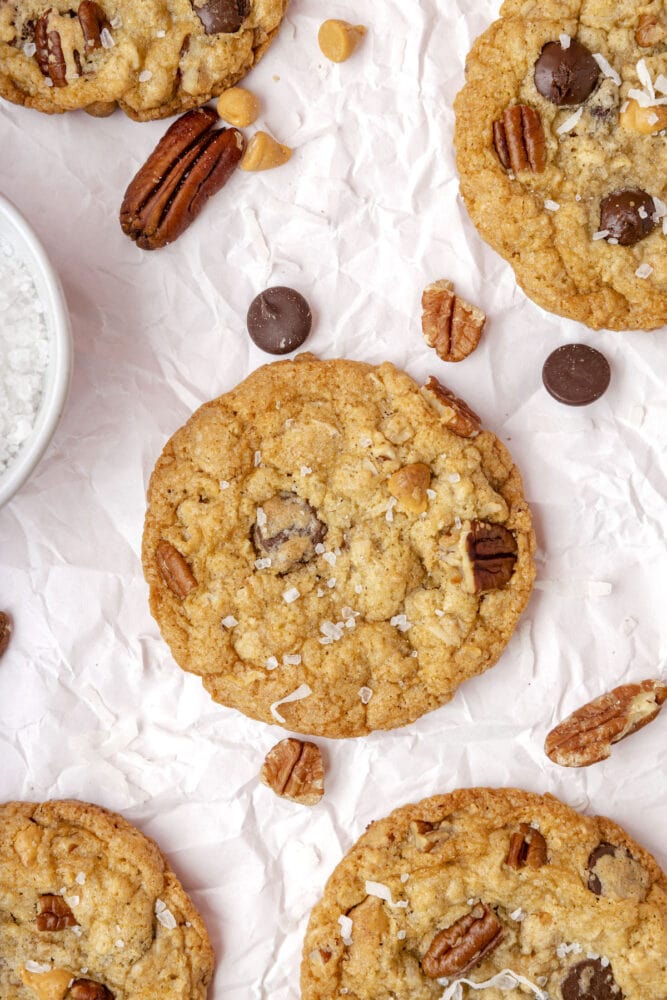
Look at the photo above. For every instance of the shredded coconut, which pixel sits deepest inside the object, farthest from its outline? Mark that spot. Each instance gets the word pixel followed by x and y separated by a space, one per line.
pixel 29 49
pixel 431 494
pixel 160 34
pixel 261 517
pixel 390 509
pixel 37 967
pixel 24 354
pixel 319 548
pixel 365 693
pixel 257 460
pixel 224 485
pixel 345 929
pixel 383 891
pixel 331 582
pixel 301 692
pixel 601 234
pixel 607 68
pixel 401 935
pixel 569 123
pixel 106 39
pixel 72 900
pixel 505 980
pixel 564 41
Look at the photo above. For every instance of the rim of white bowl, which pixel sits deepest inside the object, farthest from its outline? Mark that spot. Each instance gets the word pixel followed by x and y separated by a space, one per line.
pixel 57 381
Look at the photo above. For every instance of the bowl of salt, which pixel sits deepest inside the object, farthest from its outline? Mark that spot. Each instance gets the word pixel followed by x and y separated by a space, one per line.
pixel 35 350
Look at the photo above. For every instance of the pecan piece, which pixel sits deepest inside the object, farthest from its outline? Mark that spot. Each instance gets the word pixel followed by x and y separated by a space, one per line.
pixel 519 140
pixel 489 553
pixel 587 735
pixel 650 31
pixel 88 989
pixel 528 848
pixel 5 631
pixel 455 414
pixel 92 20
pixel 49 51
pixel 54 914
pixel 190 163
pixel 463 945
pixel 174 570
pixel 221 16
pixel 451 326
pixel 294 770
pixel 409 486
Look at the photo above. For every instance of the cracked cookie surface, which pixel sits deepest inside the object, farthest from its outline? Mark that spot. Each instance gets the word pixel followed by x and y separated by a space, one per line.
pixel 154 58
pixel 549 217
pixel 452 860
pixel 344 547
pixel 91 910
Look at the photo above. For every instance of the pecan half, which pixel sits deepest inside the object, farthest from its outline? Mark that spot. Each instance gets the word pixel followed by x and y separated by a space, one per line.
pixel 463 945
pixel 54 914
pixel 294 770
pixel 221 16
pixel 650 31
pixel 455 413
pixel 190 163
pixel 519 140
pixel 528 848
pixel 83 37
pixel 587 735
pixel 5 631
pixel 88 989
pixel 451 326
pixel 489 553
pixel 409 486
pixel 174 570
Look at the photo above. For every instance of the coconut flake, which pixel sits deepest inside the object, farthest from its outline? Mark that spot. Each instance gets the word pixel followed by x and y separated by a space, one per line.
pixel 383 891
pixel 570 122
pixel 660 83
pixel 607 68
pixel 229 622
pixel 601 234
pixel 164 915
pixel 564 41
pixel 390 509
pixel 431 494
pixel 401 935
pixel 365 693
pixel 645 78
pixel 224 485
pixel 37 967
pixel 365 441
pixel 303 691
pixel 161 34
pixel 504 980
pixel 644 271
pixel 257 460
pixel 345 929
pixel 72 900
pixel 290 595
pixel 261 517
pixel 319 549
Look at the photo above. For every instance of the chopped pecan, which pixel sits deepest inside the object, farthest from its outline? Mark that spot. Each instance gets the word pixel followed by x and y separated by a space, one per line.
pixel 427 836
pixel 650 31
pixel 54 914
pixel 294 770
pixel 488 556
pixel 409 486
pixel 286 531
pixel 221 16
pixel 88 989
pixel 83 37
pixel 5 631
pixel 463 945
pixel 528 848
pixel 191 162
pixel 519 140
pixel 451 326
pixel 174 570
pixel 456 414
pixel 587 735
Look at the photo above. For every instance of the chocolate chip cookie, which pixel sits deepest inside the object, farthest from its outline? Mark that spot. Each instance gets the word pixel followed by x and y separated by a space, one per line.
pixel 331 548
pixel 560 139
pixel 154 58
pixel 490 886
pixel 91 910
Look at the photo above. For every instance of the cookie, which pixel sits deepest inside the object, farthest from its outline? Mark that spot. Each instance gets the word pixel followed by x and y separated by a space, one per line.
pixel 326 553
pixel 562 158
pixel 154 58
pixel 494 886
pixel 91 910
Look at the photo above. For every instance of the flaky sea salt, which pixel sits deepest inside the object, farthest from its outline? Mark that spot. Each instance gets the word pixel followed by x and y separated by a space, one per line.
pixel 552 206
pixel 365 693
pixel 106 39
pixel 345 929
pixel 24 354
pixel 564 41
pixel 290 595
pixel 644 271
pixel 164 916
pixel 145 76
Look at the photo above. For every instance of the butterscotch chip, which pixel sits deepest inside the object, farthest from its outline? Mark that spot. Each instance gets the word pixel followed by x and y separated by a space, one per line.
pixel 395 918
pixel 115 922
pixel 317 506
pixel 294 770
pixel 339 39
pixel 238 106
pixel 263 152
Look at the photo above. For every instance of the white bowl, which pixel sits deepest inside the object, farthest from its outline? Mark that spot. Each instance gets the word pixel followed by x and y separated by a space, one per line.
pixel 16 231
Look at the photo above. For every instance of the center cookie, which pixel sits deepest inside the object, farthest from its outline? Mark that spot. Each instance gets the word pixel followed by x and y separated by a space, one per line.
pixel 560 138
pixel 509 892
pixel 326 552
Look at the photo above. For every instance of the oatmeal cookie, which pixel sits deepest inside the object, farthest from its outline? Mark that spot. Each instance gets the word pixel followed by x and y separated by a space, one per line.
pixel 561 151
pixel 494 886
pixel 326 553
pixel 91 910
pixel 154 58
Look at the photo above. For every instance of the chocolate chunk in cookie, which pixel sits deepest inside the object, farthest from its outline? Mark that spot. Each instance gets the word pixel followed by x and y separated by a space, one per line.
pixel 221 16
pixel 591 980
pixel 279 320
pixel 286 531
pixel 576 374
pixel 566 76
pixel 627 216
pixel 613 872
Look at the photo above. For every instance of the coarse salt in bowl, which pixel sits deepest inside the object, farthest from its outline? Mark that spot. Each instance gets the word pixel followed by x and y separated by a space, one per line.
pixel 35 339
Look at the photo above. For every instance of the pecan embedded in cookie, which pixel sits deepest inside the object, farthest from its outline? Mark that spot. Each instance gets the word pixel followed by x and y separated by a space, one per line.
pixel 54 914
pixel 464 944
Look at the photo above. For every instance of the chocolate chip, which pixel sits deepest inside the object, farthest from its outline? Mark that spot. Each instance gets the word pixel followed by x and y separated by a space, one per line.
pixel 221 16
pixel 600 851
pixel 576 374
pixel 591 980
pixel 286 531
pixel 566 76
pixel 620 875
pixel 279 320
pixel 627 216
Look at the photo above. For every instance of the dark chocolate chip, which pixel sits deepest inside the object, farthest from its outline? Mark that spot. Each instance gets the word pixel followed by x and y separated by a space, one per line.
pixel 620 875
pixel 627 215
pixel 279 320
pixel 566 76
pixel 287 531
pixel 221 16
pixel 600 851
pixel 576 374
pixel 591 980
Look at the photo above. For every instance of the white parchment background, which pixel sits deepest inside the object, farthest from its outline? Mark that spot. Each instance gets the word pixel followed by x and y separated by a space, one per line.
pixel 366 213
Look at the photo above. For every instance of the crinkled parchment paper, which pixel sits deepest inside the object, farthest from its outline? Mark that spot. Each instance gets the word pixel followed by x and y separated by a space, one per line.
pixel 366 213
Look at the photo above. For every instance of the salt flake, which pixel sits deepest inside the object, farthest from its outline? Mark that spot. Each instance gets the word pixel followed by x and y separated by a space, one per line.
pixel 345 929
